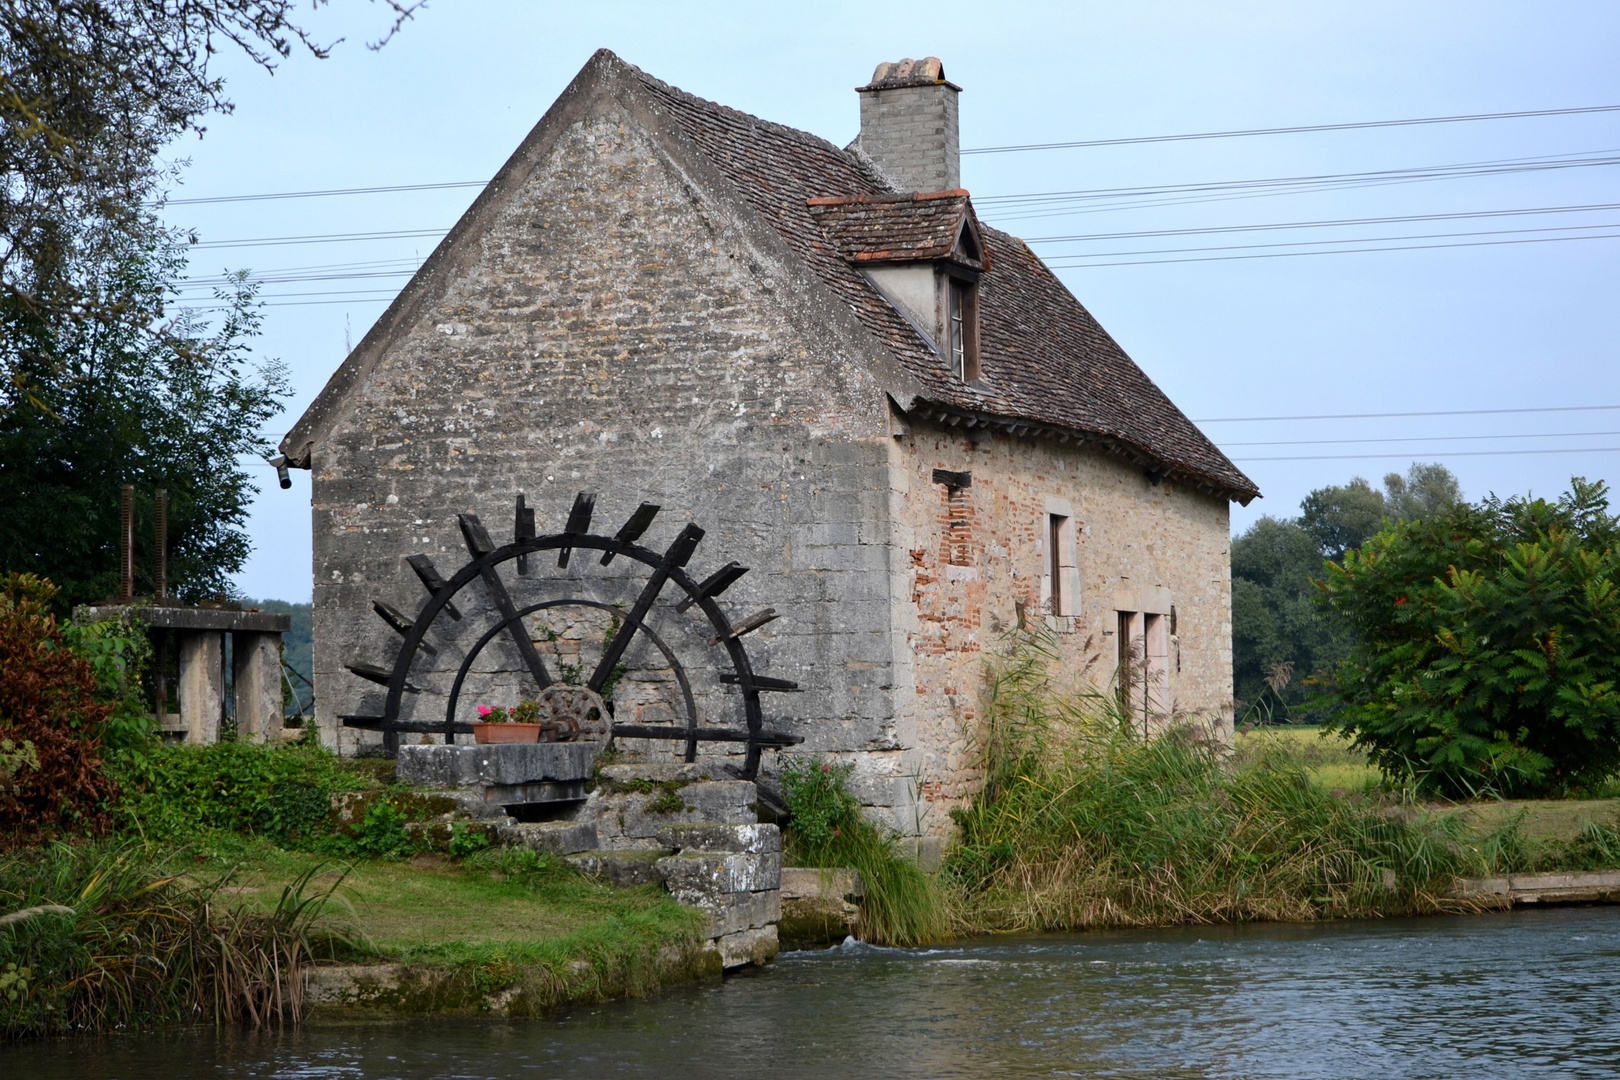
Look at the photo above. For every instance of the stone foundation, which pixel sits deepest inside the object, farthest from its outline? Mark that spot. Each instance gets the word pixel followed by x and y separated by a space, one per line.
pixel 693 828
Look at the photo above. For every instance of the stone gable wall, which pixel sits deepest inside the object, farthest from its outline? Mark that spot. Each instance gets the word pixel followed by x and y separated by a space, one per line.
pixel 619 333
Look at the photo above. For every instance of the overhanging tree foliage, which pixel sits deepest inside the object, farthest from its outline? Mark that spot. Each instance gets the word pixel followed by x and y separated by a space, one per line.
pixel 91 91
pixel 100 382
pixel 173 404
pixel 1487 645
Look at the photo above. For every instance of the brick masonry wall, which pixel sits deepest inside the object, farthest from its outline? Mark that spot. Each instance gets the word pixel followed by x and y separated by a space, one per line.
pixel 969 555
pixel 618 332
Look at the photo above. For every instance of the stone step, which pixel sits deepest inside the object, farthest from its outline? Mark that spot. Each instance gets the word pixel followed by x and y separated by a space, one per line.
pixel 1594 887
pixel 462 766
pixel 622 869
pixel 555 837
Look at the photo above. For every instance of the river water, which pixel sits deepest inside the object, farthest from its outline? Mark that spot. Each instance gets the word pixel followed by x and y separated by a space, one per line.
pixel 1527 994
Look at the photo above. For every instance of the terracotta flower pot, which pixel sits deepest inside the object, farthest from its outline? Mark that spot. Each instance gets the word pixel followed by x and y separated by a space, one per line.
pixel 506 733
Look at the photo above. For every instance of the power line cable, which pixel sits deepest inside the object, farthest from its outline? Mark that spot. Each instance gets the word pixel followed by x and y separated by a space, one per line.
pixel 1325 223
pixel 1408 415
pixel 318 238
pixel 1296 130
pixel 1245 190
pixel 1345 240
pixel 1580 158
pixel 1440 454
pixel 379 189
pixel 1427 438
pixel 1337 251
pixel 405 234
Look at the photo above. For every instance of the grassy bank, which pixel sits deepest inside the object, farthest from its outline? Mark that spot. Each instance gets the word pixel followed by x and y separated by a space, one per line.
pixel 186 915
pixel 125 936
pixel 1081 824
pixel 511 925
pixel 107 937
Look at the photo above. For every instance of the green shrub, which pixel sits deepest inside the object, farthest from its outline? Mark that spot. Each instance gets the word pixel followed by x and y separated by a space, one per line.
pixel 902 905
pixel 1488 646
pixel 381 834
pixel 821 805
pixel 465 841
pixel 279 792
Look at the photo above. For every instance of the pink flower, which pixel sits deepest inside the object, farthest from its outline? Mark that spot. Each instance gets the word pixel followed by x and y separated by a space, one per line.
pixel 484 710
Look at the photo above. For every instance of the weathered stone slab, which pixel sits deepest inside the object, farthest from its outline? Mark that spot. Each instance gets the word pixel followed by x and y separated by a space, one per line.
pixel 746 911
pixel 351 984
pixel 753 839
pixel 812 883
pixel 662 772
pixel 748 947
pixel 622 869
pixel 1596 887
pixel 509 763
pixel 629 818
pixel 556 837
pixel 702 880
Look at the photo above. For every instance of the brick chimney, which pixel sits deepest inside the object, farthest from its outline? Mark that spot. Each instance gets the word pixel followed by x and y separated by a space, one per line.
pixel 908 125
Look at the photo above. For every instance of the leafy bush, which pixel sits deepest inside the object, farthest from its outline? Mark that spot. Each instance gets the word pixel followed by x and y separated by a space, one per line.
pixel 821 805
pixel 1488 646
pixel 280 792
pixel 51 701
pixel 118 653
pixel 381 834
pixel 902 905
pixel 465 841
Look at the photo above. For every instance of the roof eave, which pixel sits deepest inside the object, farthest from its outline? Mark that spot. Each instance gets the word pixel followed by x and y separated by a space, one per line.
pixel 1157 467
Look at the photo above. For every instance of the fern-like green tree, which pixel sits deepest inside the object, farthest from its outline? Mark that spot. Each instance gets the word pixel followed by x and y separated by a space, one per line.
pixel 1487 645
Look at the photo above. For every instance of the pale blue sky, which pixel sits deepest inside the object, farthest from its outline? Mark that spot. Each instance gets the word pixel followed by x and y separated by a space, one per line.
pixel 1505 326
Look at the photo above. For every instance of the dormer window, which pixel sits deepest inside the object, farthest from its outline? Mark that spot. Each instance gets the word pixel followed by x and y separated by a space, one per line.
pixel 962 327
pixel 925 255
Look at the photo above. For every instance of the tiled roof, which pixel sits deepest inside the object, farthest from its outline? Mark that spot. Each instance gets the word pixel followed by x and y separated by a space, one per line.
pixel 1045 362
pixel 895 228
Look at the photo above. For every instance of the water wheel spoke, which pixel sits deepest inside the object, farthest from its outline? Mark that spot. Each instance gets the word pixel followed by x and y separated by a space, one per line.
pixel 679 552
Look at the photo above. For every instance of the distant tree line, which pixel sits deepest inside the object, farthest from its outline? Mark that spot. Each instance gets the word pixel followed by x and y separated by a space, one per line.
pixel 1281 633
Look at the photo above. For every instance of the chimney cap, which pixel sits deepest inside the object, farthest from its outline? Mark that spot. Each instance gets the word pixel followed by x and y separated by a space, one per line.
pixel 895 75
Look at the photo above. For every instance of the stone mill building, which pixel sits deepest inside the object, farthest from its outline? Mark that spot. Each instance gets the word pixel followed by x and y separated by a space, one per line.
pixel 893 414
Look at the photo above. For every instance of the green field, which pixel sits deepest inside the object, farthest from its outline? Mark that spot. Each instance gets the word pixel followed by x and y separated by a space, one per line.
pixel 1335 766
pixel 1332 763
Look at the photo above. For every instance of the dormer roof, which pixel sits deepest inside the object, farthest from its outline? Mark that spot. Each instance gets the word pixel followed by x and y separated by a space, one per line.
pixel 866 229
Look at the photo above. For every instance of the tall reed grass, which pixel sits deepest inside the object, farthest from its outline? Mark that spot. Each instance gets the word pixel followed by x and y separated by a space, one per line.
pixel 104 938
pixel 900 905
pixel 1082 823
